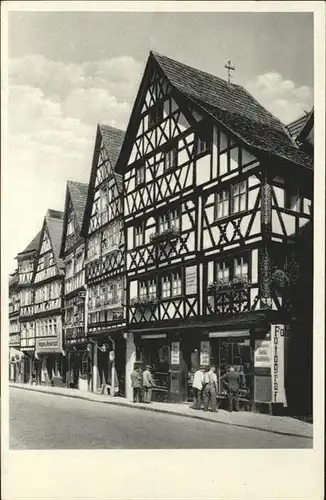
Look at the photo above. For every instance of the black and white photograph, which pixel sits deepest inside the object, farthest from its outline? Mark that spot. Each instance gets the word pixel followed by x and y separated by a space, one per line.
pixel 158 250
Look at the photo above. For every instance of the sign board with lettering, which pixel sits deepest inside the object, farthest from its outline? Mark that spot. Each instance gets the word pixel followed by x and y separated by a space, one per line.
pixel 278 333
pixel 175 353
pixel 191 280
pixel 204 352
pixel 263 354
pixel 48 345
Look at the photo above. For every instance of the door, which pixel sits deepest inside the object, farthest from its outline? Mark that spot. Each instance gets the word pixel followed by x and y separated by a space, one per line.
pixel 191 362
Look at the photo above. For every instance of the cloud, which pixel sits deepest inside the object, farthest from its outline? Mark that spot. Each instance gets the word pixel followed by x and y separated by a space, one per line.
pixel 53 110
pixel 281 97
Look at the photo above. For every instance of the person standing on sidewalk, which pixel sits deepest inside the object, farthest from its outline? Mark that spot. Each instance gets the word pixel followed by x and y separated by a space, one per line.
pixel 197 387
pixel 233 381
pixel 210 389
pixel 136 384
pixel 148 384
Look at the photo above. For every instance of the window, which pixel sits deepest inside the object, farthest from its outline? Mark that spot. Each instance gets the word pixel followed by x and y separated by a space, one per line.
pixel 292 198
pixel 166 287
pixel 152 287
pixel 228 269
pixel 139 235
pixel 176 284
pixel 164 222
pixel 93 248
pixel 241 267
pixel 155 115
pixel 147 288
pixel 222 204
pixel 69 269
pixel 202 145
pixel 140 174
pixel 169 219
pixel 170 158
pixel 239 197
pixel 79 263
pixel 175 219
pixel 142 289
pixel 70 225
pixel 223 271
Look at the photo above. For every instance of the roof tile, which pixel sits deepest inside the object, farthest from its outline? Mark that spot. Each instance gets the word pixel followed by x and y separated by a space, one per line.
pixel 235 107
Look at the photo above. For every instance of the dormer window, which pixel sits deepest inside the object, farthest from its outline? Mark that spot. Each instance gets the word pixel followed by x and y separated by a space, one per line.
pixel 155 115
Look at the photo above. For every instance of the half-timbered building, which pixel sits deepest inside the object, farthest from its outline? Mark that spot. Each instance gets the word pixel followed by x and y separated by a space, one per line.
pixel 26 267
pixel 48 281
pixel 73 254
pixel 104 267
pixel 216 192
pixel 14 329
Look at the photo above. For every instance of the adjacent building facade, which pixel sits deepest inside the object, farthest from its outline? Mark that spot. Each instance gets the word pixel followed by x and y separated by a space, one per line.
pixel 48 282
pixel 72 253
pixel 104 267
pixel 212 214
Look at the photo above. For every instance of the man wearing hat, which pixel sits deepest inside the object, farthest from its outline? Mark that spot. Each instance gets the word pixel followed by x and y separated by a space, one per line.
pixel 148 384
pixel 233 382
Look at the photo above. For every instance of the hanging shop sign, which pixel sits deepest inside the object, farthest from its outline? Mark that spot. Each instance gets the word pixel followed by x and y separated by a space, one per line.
pixel 204 352
pixel 175 353
pixel 191 280
pixel 263 354
pixel 48 345
pixel 278 333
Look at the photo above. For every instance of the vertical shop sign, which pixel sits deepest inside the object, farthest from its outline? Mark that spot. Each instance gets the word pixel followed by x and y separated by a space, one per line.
pixel 263 354
pixel 278 369
pixel 175 353
pixel 204 352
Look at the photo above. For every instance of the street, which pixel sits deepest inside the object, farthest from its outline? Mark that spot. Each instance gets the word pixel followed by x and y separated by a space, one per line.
pixel 43 421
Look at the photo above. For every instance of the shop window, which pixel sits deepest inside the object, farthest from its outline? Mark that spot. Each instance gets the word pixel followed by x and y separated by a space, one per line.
pixel 237 353
pixel 239 197
pixel 140 175
pixel 170 158
pixel 222 204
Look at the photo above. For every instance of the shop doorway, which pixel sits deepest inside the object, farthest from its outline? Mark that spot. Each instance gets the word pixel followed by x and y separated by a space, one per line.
pixel 191 361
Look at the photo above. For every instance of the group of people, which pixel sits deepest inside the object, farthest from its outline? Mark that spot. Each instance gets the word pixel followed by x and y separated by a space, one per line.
pixel 205 388
pixel 142 383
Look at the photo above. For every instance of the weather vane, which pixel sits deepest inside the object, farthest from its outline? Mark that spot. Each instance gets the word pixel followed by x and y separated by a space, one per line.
pixel 229 68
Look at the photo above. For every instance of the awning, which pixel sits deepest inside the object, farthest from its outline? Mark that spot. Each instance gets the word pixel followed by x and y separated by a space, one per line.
pixel 230 333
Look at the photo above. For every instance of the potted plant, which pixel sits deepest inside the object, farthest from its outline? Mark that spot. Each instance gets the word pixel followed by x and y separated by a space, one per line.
pixel 280 278
pixel 166 235
pixel 143 302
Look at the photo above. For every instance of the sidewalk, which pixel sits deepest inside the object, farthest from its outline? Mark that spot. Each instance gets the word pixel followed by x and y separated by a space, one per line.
pixel 268 423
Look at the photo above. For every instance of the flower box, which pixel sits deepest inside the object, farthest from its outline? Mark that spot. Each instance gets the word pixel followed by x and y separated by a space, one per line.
pixel 165 236
pixel 143 302
pixel 237 282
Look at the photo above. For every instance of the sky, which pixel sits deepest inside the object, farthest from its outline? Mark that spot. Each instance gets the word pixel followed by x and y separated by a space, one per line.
pixel 69 71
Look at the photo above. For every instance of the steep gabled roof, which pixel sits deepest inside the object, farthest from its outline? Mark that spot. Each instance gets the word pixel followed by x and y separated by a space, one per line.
pixel 307 127
pixel 232 106
pixel 77 193
pixel 13 278
pixel 296 126
pixel 32 246
pixel 54 223
pixel 112 141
